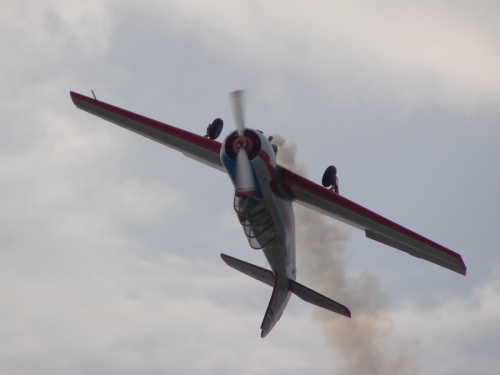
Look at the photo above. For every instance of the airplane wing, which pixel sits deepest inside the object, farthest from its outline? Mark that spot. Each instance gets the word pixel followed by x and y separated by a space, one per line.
pixel 197 147
pixel 376 227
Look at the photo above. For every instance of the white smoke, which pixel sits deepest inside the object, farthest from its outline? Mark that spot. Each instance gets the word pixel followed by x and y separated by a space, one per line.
pixel 362 344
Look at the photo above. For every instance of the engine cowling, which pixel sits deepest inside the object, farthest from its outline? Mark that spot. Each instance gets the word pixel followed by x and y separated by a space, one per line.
pixel 253 144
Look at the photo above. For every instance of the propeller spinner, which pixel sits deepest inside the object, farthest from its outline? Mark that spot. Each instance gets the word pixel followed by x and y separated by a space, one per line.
pixel 245 183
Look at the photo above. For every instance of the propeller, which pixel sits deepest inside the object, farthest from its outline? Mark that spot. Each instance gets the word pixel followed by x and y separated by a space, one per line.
pixel 245 183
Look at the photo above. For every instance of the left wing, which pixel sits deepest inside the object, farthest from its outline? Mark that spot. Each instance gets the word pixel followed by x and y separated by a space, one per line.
pixel 376 227
pixel 202 149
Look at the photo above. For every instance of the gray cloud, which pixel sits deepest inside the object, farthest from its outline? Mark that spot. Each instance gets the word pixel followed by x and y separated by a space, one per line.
pixel 110 242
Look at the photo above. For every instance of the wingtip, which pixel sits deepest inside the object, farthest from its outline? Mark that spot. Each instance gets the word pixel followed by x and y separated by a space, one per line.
pixel 78 98
pixel 73 95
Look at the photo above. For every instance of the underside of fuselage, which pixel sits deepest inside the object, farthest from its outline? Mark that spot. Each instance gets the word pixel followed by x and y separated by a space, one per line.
pixel 266 217
pixel 263 233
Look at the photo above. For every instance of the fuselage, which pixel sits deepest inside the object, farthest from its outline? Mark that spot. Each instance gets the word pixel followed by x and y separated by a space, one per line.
pixel 266 216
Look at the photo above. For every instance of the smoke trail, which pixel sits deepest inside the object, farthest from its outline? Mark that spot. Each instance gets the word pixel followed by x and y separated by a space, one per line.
pixel 362 344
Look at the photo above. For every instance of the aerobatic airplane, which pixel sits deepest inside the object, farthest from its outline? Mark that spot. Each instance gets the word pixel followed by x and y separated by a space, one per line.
pixel 264 192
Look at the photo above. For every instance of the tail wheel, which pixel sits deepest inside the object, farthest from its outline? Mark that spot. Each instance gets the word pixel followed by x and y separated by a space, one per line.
pixel 329 176
pixel 215 128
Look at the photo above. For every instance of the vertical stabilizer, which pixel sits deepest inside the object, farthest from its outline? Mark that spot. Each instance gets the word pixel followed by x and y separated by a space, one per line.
pixel 277 303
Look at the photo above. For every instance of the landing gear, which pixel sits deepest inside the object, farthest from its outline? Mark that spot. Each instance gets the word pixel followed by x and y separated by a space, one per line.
pixel 275 147
pixel 330 179
pixel 214 129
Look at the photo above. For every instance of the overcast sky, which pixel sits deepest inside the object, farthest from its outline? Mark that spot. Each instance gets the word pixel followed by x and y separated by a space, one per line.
pixel 110 242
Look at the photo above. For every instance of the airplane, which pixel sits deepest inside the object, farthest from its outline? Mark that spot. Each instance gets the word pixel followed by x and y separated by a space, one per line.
pixel 264 192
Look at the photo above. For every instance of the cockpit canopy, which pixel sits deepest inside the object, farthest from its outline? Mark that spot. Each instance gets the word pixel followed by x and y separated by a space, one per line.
pixel 256 220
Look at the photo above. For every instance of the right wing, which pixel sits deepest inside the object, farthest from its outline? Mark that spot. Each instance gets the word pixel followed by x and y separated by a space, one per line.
pixel 195 146
pixel 376 227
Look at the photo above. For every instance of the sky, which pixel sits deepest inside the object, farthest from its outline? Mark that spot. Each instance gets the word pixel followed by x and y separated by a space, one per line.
pixel 110 242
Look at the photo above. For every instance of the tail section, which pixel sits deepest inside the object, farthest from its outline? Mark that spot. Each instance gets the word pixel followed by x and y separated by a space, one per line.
pixel 282 289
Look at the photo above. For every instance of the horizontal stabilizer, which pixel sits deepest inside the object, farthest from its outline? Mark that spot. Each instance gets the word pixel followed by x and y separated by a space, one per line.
pixel 258 273
pixel 301 291
pixel 317 299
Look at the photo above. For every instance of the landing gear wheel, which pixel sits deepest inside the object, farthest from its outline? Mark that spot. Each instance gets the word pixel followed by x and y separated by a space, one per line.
pixel 329 176
pixel 215 128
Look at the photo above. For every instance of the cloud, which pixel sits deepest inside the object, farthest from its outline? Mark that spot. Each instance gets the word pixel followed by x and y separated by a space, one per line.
pixel 454 327
pixel 109 243
pixel 444 53
pixel 48 30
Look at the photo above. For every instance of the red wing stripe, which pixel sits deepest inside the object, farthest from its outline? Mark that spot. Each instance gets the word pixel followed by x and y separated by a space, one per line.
pixel 376 226
pixel 193 145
